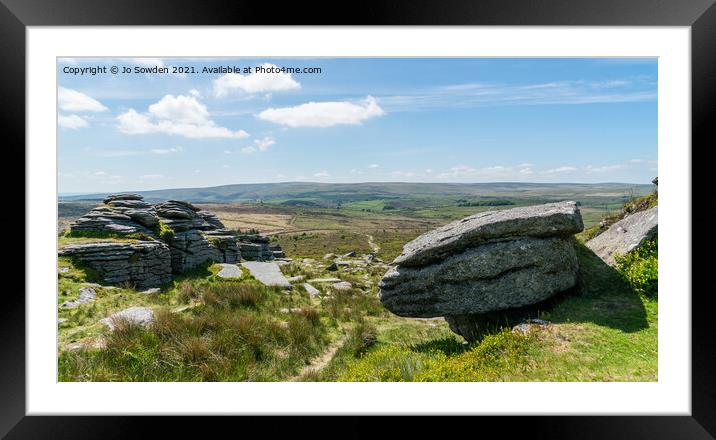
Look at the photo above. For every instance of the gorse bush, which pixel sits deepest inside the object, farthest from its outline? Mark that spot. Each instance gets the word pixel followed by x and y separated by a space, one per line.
pixel 640 268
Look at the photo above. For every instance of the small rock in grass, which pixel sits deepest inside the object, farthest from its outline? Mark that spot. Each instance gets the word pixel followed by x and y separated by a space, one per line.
pixel 135 315
pixel 325 280
pixel 343 285
pixel 311 290
pixel 151 291
pixel 295 279
pixel 87 295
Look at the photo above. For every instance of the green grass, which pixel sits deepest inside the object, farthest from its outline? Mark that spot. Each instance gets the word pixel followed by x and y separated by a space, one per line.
pixel 317 244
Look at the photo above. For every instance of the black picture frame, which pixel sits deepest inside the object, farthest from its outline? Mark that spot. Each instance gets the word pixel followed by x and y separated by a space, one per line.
pixel 16 15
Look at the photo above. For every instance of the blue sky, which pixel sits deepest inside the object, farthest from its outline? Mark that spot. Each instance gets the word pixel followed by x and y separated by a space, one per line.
pixel 358 120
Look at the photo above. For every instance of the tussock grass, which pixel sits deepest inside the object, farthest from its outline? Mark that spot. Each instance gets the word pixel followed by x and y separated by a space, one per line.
pixel 236 334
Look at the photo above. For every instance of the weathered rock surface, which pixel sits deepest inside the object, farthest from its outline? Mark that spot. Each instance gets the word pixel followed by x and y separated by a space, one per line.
pixel 311 290
pixel 494 276
pixel 134 316
pixel 561 219
pixel 625 235
pixel 144 264
pixel 491 261
pixel 229 271
pixel 256 247
pixel 87 295
pixel 267 273
pixel 343 285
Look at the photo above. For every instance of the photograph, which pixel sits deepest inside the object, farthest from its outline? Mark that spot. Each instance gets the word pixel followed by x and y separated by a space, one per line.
pixel 357 219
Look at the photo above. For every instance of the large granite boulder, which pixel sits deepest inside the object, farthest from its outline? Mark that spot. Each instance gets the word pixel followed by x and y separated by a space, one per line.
pixel 144 264
pixel 491 261
pixel 625 235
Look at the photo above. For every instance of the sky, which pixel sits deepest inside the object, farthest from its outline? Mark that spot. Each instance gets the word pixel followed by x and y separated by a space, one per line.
pixel 353 120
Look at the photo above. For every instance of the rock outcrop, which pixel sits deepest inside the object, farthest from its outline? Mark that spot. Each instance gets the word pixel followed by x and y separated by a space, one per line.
pixel 188 235
pixel 625 235
pixel 256 247
pixel 491 261
pixel 143 264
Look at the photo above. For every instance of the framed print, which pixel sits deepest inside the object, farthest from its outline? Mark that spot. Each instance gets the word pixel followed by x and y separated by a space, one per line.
pixel 416 210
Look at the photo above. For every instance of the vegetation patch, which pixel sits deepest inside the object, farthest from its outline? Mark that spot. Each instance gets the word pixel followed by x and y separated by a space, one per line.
pixel 640 268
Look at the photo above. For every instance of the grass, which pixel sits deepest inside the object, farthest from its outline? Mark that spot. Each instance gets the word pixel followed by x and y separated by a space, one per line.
pixel 238 333
pixel 605 329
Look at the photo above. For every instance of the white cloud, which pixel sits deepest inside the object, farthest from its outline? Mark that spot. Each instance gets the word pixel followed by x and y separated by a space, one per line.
pixel 322 174
pixel 74 101
pixel 606 168
pixel 494 173
pixel 72 121
pixel 166 150
pixel 373 165
pixel 254 82
pixel 195 93
pixel 259 145
pixel 324 114
pixel 265 143
pixel 100 173
pixel 177 115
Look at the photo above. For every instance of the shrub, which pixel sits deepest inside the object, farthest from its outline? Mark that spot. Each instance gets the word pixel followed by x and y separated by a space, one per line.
pixel 640 268
pixel 166 233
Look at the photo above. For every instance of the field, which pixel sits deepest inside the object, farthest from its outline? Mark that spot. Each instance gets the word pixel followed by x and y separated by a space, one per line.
pixel 210 329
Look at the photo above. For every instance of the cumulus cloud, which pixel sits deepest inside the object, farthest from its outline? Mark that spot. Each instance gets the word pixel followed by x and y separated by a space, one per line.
pixel 177 115
pixel 322 174
pixel 254 82
pixel 324 114
pixel 73 101
pixel 72 121
pixel 373 165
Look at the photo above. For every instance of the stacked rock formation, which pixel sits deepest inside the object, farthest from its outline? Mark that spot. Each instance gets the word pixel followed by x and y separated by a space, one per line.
pixel 491 261
pixel 255 247
pixel 194 237
pixel 144 264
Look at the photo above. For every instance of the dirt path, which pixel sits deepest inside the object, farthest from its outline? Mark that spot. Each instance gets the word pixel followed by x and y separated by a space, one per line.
pixel 320 362
pixel 372 244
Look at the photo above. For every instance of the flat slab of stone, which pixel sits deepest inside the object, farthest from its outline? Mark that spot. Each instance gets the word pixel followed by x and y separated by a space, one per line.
pixel 296 279
pixel 625 235
pixel 311 290
pixel 560 219
pixel 325 280
pixel 267 273
pixel 229 271
pixel 135 315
